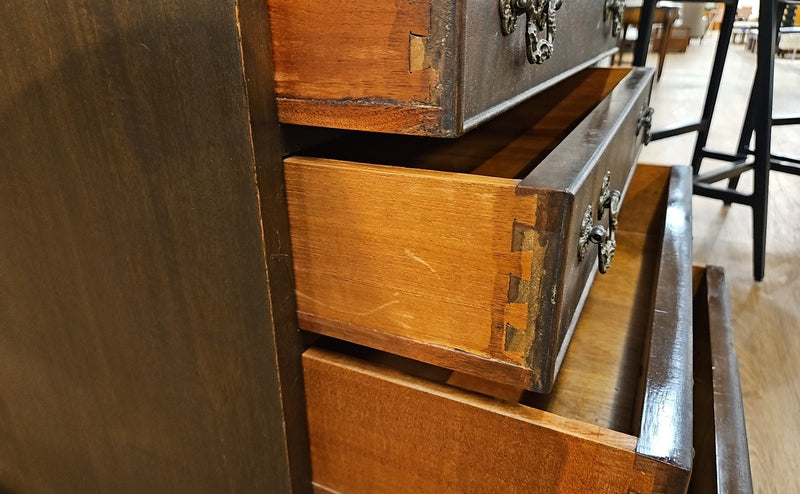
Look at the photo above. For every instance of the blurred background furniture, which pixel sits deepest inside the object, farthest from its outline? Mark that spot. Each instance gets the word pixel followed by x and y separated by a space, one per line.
pixel 758 120
pixel 665 15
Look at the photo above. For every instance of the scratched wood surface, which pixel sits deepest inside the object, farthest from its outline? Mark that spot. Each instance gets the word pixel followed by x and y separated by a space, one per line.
pixel 374 432
pixel 405 283
pixel 442 265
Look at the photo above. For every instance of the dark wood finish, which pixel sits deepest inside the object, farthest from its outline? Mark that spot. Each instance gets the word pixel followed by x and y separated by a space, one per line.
pixel 722 460
pixel 428 67
pixel 666 422
pixel 477 272
pixel 599 379
pixel 267 153
pixel 138 345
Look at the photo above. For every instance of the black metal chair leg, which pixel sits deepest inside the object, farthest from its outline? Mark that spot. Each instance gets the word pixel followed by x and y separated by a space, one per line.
pixel 646 15
pixel 762 101
pixel 744 138
pixel 726 29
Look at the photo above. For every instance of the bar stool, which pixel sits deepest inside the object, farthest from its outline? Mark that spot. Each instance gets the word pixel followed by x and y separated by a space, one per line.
pixel 758 121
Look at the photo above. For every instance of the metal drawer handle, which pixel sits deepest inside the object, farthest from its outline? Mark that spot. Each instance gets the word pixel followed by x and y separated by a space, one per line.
pixel 607 246
pixel 645 122
pixel 614 9
pixel 540 15
pixel 605 238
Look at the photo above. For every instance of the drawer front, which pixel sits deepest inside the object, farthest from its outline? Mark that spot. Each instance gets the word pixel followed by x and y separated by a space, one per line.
pixel 497 73
pixel 597 162
pixel 471 272
pixel 430 67
pixel 377 421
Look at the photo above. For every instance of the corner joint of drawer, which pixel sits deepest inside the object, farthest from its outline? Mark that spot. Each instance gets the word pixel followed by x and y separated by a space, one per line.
pixel 523 237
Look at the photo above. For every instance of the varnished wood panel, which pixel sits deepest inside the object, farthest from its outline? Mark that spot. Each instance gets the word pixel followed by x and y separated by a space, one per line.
pixel 137 351
pixel 599 379
pixel 360 420
pixel 722 461
pixel 373 429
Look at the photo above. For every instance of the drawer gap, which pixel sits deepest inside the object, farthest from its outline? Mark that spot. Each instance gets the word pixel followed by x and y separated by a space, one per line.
pixel 509 147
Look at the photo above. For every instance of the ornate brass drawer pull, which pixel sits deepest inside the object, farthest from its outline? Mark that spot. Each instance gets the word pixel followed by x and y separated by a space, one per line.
pixel 645 122
pixel 605 238
pixel 614 10
pixel 540 15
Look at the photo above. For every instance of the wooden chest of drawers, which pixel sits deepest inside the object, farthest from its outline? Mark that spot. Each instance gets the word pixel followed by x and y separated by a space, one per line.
pixel 644 394
pixel 427 67
pixel 471 254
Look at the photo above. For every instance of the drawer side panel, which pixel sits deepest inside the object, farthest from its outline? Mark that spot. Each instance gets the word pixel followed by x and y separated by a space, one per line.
pixel 341 63
pixel 440 258
pixel 373 429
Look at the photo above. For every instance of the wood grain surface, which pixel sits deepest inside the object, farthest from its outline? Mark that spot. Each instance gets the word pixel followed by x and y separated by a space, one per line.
pixel 382 68
pixel 373 429
pixel 137 347
pixel 463 263
pixel 361 420
pixel 400 250
pixel 722 462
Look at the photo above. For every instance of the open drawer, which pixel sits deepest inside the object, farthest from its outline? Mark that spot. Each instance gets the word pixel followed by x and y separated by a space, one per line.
pixel 473 254
pixel 428 67
pixel 620 418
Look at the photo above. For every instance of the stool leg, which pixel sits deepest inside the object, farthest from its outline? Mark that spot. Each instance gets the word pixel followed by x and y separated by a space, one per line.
pixel 725 30
pixel 744 138
pixel 767 27
pixel 646 15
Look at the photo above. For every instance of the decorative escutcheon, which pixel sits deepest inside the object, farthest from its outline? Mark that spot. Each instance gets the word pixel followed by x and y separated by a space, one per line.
pixel 540 16
pixel 604 237
pixel 644 123
pixel 614 11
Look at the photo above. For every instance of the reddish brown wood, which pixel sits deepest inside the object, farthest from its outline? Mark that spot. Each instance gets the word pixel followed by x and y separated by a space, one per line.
pixel 373 429
pixel 424 67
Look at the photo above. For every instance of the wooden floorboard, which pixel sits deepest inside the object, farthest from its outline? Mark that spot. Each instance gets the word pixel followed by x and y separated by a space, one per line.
pixel 765 314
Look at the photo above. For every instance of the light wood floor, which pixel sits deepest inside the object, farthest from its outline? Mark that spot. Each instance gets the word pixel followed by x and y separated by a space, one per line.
pixel 766 315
